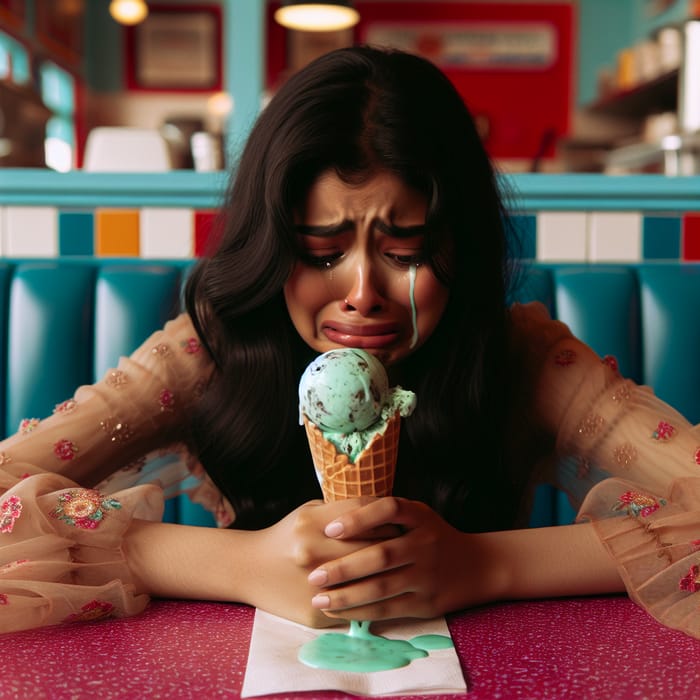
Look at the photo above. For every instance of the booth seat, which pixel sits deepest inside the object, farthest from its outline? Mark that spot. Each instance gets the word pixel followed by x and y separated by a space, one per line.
pixel 66 321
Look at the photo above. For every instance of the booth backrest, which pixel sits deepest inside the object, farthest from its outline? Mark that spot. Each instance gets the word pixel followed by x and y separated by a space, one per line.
pixel 65 322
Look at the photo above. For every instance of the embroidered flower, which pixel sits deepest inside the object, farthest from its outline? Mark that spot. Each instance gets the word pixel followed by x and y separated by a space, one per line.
pixel 162 350
pixel 65 449
pixel 94 610
pixel 697 456
pixel 611 361
pixel 191 346
pixel 621 394
pixel 3 599
pixel 695 545
pixel 201 386
pixel 166 399
pixel 564 358
pixel 591 425
pixel 625 455
pixel 13 565
pixel 4 458
pixel 638 504
pixel 83 508
pixel 118 432
pixel 10 510
pixel 67 406
pixel 664 431
pixel 26 425
pixel 690 581
pixel 116 379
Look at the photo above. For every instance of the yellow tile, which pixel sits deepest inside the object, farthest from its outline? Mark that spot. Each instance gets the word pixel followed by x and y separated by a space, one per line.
pixel 117 232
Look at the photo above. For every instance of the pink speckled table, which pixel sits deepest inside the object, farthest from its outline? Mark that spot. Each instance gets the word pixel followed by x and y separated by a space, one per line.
pixel 589 649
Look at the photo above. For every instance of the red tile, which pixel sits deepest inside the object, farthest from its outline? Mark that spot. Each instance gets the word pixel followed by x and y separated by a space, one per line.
pixel 690 245
pixel 206 235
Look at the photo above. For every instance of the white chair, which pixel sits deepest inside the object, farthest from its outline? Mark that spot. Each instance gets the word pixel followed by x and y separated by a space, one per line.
pixel 126 149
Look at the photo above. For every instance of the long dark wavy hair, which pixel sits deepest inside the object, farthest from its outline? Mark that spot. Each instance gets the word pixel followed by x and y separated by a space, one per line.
pixel 358 110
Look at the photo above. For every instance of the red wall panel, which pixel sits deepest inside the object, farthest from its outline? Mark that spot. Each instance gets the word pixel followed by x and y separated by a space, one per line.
pixel 524 107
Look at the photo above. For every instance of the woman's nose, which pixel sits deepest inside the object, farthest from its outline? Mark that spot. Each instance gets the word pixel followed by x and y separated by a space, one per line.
pixel 364 296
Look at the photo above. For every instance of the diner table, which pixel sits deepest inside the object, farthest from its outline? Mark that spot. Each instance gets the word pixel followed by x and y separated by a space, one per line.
pixel 591 648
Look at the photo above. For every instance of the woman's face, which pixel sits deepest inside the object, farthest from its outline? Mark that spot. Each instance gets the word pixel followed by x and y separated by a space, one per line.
pixel 361 281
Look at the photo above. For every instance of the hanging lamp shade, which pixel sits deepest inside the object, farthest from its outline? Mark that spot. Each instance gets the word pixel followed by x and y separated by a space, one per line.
pixel 128 11
pixel 328 16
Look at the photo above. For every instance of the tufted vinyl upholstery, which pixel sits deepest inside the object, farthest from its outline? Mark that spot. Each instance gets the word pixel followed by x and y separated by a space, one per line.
pixel 65 322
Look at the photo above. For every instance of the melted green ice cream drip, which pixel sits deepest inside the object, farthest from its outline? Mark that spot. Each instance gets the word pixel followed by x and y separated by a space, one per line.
pixel 361 651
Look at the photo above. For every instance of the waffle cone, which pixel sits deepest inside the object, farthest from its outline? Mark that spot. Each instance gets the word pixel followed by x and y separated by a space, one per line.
pixel 372 473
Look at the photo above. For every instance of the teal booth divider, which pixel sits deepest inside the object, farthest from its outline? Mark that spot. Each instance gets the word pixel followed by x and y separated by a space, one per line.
pixel 65 322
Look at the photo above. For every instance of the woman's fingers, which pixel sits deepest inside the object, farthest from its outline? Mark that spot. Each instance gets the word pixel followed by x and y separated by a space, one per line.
pixel 372 559
pixel 375 516
pixel 362 593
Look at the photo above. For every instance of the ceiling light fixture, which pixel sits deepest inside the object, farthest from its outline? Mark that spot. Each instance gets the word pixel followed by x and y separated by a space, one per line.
pixel 128 11
pixel 328 16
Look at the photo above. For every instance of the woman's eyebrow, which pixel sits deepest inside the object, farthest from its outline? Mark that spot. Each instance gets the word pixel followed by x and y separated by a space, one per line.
pixel 324 231
pixel 401 231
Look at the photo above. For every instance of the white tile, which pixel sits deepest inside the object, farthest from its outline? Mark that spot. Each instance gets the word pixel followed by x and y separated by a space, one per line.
pixel 30 232
pixel 562 236
pixel 166 232
pixel 615 236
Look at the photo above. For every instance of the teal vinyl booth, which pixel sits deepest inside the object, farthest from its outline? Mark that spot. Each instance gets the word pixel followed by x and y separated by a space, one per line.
pixel 66 322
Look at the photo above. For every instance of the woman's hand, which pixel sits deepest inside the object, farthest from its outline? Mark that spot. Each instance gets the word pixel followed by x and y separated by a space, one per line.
pixel 430 569
pixel 284 554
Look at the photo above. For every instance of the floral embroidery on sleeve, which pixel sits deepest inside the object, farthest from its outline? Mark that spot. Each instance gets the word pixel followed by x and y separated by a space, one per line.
pixel 611 361
pixel 3 599
pixel 162 350
pixel 664 431
pixel 625 454
pixel 166 400
pixel 94 610
pixel 10 510
pixel 638 504
pixel 690 581
pixel 564 358
pixel 697 456
pixel 116 379
pixel 65 449
pixel 66 407
pixel 117 431
pixel 83 508
pixel 26 425
pixel 191 346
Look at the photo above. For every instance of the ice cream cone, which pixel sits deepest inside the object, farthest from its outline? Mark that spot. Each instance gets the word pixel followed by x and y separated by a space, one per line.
pixel 372 472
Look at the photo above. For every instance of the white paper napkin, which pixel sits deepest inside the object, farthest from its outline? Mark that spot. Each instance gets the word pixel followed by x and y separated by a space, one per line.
pixel 273 666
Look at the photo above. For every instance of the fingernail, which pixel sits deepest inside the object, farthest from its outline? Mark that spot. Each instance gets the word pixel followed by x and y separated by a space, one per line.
pixel 318 577
pixel 334 529
pixel 320 601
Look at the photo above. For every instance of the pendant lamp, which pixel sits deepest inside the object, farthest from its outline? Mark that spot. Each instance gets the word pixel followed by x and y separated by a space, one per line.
pixel 128 11
pixel 327 16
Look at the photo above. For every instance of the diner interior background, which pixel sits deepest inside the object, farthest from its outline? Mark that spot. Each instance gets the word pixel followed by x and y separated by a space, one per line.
pixel 555 85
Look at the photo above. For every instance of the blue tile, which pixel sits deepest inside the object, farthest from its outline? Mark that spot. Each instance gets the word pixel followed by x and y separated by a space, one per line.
pixel 662 237
pixel 525 228
pixel 76 233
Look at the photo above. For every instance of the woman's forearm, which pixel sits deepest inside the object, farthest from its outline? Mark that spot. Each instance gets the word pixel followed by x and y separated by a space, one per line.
pixel 179 561
pixel 565 560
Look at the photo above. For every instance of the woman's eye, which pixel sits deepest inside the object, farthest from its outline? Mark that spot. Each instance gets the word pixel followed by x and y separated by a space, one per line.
pixel 406 258
pixel 320 258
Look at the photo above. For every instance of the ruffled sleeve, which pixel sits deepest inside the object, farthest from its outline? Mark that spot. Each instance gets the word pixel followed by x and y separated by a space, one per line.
pixel 629 462
pixel 140 405
pixel 61 557
pixel 128 428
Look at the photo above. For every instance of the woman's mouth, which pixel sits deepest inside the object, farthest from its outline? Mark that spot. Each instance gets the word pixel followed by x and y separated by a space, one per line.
pixel 374 335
